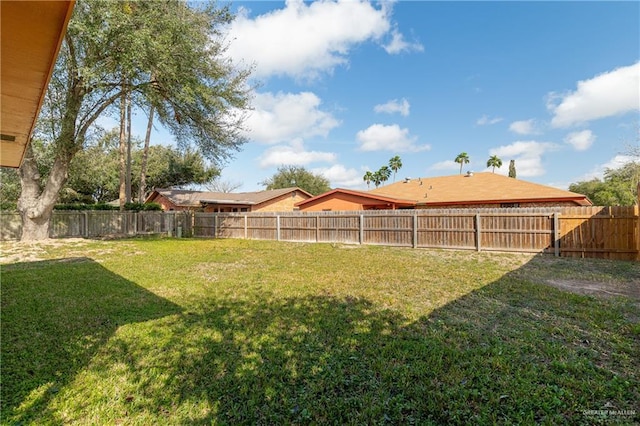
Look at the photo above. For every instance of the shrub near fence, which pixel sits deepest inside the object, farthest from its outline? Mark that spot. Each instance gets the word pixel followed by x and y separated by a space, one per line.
pixel 604 232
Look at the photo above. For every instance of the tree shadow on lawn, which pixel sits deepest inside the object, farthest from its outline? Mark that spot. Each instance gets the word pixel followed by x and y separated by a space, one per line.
pixel 510 352
pixel 55 316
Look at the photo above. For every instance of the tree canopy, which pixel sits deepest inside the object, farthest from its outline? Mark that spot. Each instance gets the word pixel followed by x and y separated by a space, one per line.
pixel 290 176
pixel 618 188
pixel 94 171
pixel 462 158
pixel 494 161
pixel 168 54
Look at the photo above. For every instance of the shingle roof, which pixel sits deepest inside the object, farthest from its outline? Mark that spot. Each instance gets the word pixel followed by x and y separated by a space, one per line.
pixel 185 198
pixel 476 188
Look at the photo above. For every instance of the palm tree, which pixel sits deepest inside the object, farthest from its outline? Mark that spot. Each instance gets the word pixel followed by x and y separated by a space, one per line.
pixel 462 158
pixel 385 173
pixel 376 178
pixel 395 164
pixel 494 162
pixel 368 177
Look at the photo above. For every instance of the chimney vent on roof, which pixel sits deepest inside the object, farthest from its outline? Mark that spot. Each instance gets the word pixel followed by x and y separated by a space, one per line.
pixel 469 173
pixel 407 179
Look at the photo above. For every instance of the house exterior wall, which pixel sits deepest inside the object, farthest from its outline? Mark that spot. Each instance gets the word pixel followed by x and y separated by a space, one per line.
pixel 166 204
pixel 343 202
pixel 284 203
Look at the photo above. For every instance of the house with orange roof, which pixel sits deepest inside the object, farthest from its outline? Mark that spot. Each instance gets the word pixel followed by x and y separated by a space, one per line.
pixel 277 200
pixel 346 199
pixel 473 190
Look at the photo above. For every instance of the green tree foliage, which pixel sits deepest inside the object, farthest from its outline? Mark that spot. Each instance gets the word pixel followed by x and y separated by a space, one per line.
pixel 170 54
pixel 512 169
pixel 462 158
pixel 368 178
pixel 9 188
pixel 494 161
pixel 385 173
pixel 94 171
pixel 395 164
pixel 618 188
pixel 290 176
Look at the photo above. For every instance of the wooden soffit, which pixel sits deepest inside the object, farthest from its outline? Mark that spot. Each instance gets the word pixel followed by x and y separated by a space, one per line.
pixel 32 32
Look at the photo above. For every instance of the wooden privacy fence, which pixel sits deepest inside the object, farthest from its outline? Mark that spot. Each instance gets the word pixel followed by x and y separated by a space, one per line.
pixel 96 223
pixel 604 232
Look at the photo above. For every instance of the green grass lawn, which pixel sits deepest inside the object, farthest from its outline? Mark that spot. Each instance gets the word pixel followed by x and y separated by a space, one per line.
pixel 258 332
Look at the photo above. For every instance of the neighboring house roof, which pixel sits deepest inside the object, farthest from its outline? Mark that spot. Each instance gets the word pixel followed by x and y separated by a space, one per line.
pixel 476 188
pixel 374 198
pixel 32 32
pixel 185 198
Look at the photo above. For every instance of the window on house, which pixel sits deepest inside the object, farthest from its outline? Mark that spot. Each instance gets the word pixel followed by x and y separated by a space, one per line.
pixel 510 205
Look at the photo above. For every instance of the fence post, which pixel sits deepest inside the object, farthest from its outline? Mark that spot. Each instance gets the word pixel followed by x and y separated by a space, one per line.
pixel 277 227
pixel 86 224
pixel 245 227
pixel 215 226
pixel 361 236
pixel 415 230
pixel 478 232
pixel 317 228
pixel 556 235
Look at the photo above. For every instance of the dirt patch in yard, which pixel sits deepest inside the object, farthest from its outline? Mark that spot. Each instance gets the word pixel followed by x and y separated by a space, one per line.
pixel 630 289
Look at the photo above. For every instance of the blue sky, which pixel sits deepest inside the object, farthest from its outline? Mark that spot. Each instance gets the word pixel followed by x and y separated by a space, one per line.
pixel 344 86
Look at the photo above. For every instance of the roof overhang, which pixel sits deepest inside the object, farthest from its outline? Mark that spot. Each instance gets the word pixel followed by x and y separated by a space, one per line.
pixel 227 202
pixel 32 33
pixel 580 201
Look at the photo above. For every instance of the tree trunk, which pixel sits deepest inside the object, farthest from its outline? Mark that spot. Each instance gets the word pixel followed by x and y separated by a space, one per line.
pixel 128 175
pixel 123 141
pixel 35 206
pixel 145 154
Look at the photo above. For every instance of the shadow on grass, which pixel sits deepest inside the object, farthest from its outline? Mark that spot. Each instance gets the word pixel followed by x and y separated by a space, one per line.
pixel 511 352
pixel 55 316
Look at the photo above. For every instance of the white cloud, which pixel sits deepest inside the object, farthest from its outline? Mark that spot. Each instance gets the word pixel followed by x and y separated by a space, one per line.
pixel 305 40
pixel 380 137
pixel 398 44
pixel 294 154
pixel 340 176
pixel 612 93
pixel 527 155
pixel 401 106
pixel 284 116
pixel 486 120
pixel 445 165
pixel 614 163
pixel 580 141
pixel 524 127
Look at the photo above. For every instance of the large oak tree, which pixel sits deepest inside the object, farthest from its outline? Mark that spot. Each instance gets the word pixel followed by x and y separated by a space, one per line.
pixel 164 53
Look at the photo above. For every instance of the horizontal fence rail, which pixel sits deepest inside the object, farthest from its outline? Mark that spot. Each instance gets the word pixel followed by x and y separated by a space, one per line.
pixel 603 232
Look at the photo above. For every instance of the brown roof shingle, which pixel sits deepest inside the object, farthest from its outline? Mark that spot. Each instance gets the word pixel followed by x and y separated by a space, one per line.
pixel 476 188
pixel 186 198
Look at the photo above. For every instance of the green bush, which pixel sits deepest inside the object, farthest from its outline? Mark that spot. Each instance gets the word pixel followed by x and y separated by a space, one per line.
pixel 135 207
pixel 81 206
